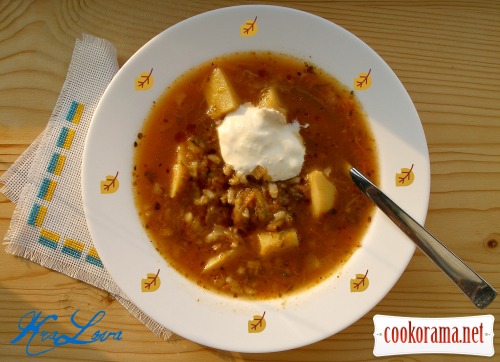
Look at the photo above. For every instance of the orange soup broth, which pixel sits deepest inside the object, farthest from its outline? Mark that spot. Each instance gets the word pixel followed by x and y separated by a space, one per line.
pixel 335 132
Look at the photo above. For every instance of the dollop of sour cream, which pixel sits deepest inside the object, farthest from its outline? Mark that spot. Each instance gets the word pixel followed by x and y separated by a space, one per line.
pixel 252 136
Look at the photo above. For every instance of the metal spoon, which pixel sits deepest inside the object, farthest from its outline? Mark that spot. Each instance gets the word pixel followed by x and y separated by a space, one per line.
pixel 476 288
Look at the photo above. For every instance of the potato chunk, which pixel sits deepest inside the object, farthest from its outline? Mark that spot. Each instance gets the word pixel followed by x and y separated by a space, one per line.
pixel 218 260
pixel 270 99
pixel 220 95
pixel 323 193
pixel 270 242
pixel 180 175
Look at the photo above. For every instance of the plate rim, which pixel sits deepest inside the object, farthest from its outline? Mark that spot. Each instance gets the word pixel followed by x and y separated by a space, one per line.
pixel 420 217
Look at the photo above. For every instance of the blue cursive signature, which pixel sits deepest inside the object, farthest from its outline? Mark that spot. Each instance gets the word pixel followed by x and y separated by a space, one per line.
pixel 31 324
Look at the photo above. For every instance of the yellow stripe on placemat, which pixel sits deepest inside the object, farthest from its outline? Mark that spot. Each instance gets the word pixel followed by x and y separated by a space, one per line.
pixel 56 163
pixel 65 138
pixel 73 248
pixel 37 215
pixel 47 189
pixel 93 258
pixel 48 238
pixel 75 112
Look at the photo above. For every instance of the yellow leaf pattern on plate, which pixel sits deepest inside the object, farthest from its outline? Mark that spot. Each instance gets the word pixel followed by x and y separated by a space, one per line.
pixel 405 177
pixel 249 28
pixel 151 283
pixel 144 81
pixel 360 283
pixel 257 324
pixel 364 81
pixel 110 184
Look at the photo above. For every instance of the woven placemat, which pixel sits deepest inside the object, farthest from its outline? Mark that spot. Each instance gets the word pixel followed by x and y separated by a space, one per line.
pixel 48 225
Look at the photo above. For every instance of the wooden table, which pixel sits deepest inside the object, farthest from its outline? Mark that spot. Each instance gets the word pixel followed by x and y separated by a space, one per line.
pixel 446 53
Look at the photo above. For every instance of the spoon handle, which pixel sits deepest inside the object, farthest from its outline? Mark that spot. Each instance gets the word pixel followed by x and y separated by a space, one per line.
pixel 476 288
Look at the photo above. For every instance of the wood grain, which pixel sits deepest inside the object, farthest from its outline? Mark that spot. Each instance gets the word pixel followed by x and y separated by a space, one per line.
pixel 447 55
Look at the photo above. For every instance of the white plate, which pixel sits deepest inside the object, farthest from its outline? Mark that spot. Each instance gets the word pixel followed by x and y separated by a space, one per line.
pixel 178 304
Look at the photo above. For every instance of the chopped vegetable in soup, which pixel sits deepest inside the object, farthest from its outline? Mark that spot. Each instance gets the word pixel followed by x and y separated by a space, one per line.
pixel 239 175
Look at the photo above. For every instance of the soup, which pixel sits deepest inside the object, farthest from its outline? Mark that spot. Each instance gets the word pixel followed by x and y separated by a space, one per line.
pixel 251 235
